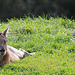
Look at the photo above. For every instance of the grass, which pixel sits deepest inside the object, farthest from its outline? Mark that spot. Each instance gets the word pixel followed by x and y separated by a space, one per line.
pixel 50 39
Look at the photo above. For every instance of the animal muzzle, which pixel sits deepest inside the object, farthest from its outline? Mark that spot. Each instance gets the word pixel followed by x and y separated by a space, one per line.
pixel 2 51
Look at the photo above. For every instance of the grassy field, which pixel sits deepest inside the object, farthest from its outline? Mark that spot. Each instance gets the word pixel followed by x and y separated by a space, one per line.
pixel 50 39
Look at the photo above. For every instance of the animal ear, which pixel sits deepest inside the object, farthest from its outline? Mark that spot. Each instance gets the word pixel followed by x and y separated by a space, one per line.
pixel 5 31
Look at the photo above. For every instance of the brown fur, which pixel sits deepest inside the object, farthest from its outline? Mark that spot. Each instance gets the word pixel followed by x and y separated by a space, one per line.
pixel 6 58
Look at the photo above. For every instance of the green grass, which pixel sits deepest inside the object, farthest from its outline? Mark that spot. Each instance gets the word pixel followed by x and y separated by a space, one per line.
pixel 50 39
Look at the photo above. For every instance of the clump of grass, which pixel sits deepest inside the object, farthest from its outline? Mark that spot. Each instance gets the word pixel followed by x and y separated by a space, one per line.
pixel 50 39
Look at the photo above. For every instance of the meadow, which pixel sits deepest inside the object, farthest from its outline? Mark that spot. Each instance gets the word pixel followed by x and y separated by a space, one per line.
pixel 51 40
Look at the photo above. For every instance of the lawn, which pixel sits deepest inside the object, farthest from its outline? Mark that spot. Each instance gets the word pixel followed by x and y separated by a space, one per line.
pixel 50 39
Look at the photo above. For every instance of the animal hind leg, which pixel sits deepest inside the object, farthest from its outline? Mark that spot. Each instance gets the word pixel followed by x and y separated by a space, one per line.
pixel 19 53
pixel 25 52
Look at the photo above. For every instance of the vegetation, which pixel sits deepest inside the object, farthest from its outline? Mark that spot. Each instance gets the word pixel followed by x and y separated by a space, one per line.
pixel 50 39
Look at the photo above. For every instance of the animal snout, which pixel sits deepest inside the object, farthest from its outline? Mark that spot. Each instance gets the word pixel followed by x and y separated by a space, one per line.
pixel 2 52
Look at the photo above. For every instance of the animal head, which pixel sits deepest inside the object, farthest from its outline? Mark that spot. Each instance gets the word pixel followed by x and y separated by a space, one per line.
pixel 3 44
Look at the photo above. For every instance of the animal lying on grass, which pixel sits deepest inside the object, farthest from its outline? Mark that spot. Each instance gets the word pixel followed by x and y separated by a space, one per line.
pixel 9 54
